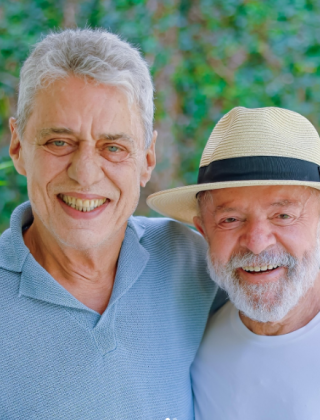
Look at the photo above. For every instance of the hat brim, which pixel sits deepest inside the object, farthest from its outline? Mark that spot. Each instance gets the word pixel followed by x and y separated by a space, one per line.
pixel 181 203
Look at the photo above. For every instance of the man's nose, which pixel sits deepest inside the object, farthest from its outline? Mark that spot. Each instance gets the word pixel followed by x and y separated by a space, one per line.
pixel 257 236
pixel 85 166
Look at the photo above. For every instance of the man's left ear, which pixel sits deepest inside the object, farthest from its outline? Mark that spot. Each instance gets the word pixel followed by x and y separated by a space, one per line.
pixel 199 225
pixel 15 148
pixel 150 161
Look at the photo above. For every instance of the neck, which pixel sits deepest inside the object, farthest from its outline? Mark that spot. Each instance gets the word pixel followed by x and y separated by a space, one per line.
pixel 87 274
pixel 306 309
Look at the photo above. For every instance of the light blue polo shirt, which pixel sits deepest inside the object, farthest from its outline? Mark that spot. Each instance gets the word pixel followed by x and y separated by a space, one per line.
pixel 62 360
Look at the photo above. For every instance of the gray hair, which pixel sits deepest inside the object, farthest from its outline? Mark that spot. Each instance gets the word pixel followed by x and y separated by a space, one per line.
pixel 202 199
pixel 94 54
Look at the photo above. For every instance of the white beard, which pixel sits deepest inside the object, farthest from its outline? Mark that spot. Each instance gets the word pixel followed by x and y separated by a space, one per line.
pixel 269 302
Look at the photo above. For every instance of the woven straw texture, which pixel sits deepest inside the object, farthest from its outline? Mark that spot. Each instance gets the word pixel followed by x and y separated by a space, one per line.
pixel 262 132
pixel 245 132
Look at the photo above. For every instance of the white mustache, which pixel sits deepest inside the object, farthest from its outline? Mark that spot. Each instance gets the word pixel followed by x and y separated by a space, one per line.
pixel 272 257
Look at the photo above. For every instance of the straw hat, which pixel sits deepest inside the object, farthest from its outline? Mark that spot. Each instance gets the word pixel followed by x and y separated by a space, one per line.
pixel 248 147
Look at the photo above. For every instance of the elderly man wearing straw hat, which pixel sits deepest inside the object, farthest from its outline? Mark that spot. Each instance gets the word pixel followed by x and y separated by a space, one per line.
pixel 257 204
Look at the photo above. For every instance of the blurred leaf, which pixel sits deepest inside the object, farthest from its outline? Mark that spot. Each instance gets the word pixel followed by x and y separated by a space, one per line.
pixel 206 57
pixel 5 165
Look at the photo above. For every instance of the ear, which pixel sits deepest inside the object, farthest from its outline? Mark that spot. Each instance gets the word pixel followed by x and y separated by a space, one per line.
pixel 199 226
pixel 15 148
pixel 150 161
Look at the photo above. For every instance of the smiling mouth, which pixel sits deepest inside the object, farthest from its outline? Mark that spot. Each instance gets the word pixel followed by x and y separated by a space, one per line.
pixel 82 205
pixel 259 269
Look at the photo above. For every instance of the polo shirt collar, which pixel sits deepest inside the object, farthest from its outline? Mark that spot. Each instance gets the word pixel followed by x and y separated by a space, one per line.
pixel 13 250
pixel 38 284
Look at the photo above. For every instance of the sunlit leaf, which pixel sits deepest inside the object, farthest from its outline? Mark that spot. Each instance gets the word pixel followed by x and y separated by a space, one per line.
pixel 5 165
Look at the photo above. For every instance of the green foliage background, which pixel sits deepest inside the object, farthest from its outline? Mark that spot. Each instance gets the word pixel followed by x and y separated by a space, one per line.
pixel 206 57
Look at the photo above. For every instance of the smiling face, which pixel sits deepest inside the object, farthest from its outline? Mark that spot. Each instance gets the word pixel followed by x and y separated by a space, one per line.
pixel 84 158
pixel 263 246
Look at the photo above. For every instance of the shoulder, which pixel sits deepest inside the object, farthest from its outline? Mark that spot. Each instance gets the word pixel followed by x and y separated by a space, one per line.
pixel 181 249
pixel 161 230
pixel 177 253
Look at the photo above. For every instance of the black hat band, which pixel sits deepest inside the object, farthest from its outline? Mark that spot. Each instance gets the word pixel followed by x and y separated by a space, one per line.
pixel 259 168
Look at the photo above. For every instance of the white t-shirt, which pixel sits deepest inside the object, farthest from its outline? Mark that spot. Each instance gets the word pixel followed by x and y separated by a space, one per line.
pixel 238 375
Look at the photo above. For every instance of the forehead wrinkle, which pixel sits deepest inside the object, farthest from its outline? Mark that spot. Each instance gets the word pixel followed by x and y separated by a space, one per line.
pixel 224 209
pixel 45 132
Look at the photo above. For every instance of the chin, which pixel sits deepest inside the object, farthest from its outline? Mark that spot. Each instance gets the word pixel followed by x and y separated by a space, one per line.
pixel 80 239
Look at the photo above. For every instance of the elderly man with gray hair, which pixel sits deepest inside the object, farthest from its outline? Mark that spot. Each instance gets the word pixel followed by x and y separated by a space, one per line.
pixel 101 312
pixel 259 210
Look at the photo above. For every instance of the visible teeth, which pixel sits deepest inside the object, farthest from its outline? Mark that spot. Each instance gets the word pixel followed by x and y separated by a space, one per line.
pixel 82 205
pixel 247 268
pixel 262 268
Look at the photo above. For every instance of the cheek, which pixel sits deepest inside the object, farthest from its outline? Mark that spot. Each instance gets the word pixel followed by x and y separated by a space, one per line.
pixel 125 175
pixel 223 245
pixel 297 241
pixel 43 168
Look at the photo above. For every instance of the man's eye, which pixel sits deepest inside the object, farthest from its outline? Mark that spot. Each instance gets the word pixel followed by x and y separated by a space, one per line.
pixel 59 143
pixel 230 220
pixel 284 216
pixel 114 153
pixel 59 147
pixel 113 149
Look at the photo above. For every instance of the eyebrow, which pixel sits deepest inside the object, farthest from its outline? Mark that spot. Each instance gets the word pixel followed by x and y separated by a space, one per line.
pixel 224 209
pixel 286 203
pixel 282 203
pixel 116 136
pixel 45 132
